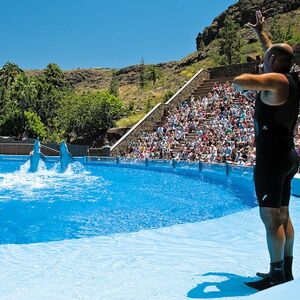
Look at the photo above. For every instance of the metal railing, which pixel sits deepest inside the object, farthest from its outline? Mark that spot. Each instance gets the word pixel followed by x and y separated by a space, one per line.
pixel 50 149
pixel 180 167
pixel 23 148
pixel 148 122
pixel 186 91
pixel 170 165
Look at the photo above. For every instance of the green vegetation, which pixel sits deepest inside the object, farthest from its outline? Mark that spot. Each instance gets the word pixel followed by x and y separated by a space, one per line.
pixel 281 28
pixel 279 33
pixel 89 114
pixel 8 74
pixel 114 85
pixel 34 127
pixel 153 74
pixel 167 95
pixel 83 104
pixel 44 106
pixel 142 74
pixel 130 121
pixel 229 44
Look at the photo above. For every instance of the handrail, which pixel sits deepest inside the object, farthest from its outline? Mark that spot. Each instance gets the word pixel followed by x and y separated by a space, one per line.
pixel 50 149
pixel 171 164
pixel 20 145
pixel 135 126
pixel 15 144
pixel 183 87
pixel 148 121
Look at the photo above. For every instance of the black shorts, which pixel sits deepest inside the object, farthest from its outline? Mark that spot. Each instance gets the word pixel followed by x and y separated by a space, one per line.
pixel 272 177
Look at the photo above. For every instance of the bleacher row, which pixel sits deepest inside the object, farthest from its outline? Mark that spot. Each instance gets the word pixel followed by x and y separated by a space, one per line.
pixel 214 125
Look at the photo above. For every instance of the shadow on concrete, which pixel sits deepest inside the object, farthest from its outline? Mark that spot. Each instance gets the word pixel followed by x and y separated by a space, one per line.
pixel 230 285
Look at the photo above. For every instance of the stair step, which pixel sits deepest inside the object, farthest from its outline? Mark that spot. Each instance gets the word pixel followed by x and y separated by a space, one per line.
pixel 202 90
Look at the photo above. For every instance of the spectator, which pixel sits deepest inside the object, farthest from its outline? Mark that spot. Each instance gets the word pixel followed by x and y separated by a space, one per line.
pixel 214 128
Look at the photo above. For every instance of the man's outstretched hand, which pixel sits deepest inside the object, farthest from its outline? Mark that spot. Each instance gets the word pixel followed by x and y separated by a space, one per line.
pixel 259 26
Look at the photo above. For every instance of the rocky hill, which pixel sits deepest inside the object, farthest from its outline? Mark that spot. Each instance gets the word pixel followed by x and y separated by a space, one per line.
pixel 175 73
pixel 243 12
pixel 172 75
pixel 170 79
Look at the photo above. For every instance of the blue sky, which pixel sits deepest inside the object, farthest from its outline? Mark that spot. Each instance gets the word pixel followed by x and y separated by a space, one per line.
pixel 101 33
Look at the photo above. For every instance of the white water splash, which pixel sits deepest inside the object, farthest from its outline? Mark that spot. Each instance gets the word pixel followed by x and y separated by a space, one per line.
pixel 28 184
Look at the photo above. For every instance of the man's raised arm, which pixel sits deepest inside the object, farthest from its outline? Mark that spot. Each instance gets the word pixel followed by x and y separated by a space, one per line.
pixel 258 28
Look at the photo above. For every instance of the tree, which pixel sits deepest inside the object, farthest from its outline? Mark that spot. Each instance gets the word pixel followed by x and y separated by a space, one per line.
pixel 48 102
pixel 153 74
pixel 11 117
pixel 289 34
pixel 30 102
pixel 167 95
pixel 54 76
pixel 34 127
pixel 230 43
pixel 201 46
pixel 148 105
pixel 114 85
pixel 130 108
pixel 24 91
pixel 142 73
pixel 276 31
pixel 8 74
pixel 90 114
pixel 21 98
pixel 280 33
pixel 51 88
pixel 4 97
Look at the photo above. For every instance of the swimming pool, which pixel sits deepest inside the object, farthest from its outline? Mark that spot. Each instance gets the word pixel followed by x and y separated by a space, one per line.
pixel 103 196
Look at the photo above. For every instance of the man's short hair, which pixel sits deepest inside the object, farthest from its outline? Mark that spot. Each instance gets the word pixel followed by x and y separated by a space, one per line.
pixel 284 54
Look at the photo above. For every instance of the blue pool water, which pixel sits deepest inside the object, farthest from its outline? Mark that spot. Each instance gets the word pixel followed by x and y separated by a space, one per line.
pixel 91 200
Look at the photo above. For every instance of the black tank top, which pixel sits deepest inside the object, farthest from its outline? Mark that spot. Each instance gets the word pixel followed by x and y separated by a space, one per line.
pixel 275 125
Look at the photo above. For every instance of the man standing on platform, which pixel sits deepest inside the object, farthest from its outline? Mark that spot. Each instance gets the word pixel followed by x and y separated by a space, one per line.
pixel 276 114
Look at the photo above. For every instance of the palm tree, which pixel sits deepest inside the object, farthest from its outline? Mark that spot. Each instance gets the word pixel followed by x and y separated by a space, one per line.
pixel 8 74
pixel 24 91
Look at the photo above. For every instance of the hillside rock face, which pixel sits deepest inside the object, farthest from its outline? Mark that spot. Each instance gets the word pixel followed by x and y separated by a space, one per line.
pixel 131 74
pixel 99 78
pixel 85 78
pixel 243 12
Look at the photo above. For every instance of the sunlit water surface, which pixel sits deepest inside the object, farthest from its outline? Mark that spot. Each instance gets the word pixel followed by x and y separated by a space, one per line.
pixel 92 200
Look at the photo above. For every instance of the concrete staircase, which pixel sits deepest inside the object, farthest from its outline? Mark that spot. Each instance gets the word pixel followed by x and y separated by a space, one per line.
pixel 199 85
pixel 207 86
pixel 201 91
pixel 188 138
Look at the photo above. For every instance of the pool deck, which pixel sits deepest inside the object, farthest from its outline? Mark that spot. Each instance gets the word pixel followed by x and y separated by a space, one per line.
pixel 202 260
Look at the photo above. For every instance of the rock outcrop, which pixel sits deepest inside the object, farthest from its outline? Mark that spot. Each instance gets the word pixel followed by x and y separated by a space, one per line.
pixel 243 12
pixel 99 78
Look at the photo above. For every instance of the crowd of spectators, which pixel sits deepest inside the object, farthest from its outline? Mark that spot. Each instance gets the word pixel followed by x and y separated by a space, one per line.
pixel 214 128
pixel 295 69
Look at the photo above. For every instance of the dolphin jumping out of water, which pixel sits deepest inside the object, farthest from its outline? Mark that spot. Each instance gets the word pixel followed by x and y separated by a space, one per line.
pixel 35 156
pixel 65 157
